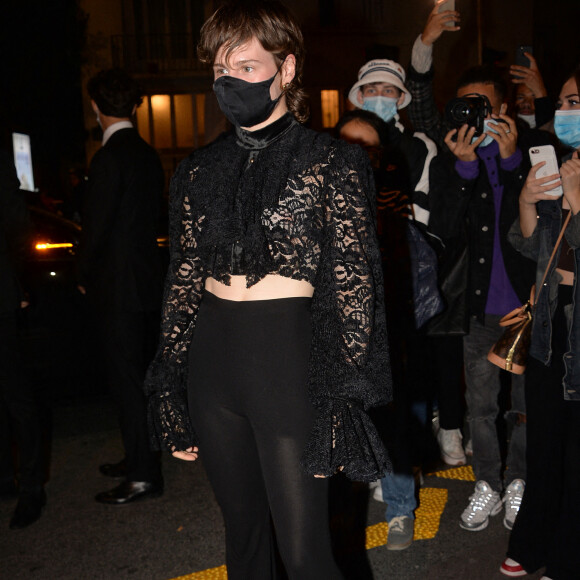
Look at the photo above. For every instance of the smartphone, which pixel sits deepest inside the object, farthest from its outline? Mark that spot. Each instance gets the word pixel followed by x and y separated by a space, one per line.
pixel 546 153
pixel 521 58
pixel 448 5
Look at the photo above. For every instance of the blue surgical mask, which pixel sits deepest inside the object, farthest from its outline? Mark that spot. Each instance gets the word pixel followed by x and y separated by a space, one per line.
pixel 384 107
pixel 487 126
pixel 567 127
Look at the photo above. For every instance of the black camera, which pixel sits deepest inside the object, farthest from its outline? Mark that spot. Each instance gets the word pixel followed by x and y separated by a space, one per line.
pixel 471 110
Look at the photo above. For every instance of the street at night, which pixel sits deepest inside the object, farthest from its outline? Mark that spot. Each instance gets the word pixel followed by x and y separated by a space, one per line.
pixel 299 246
pixel 181 533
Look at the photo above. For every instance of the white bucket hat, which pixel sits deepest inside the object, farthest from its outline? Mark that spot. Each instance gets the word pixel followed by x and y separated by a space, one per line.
pixel 380 71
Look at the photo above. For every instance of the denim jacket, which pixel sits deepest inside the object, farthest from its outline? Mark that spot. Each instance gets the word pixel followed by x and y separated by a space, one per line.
pixel 539 247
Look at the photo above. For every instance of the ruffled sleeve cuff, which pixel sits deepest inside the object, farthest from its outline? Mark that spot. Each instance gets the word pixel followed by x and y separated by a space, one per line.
pixel 345 439
pixel 168 421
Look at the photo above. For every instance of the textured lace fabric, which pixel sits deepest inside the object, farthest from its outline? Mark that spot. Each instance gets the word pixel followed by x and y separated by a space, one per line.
pixel 300 205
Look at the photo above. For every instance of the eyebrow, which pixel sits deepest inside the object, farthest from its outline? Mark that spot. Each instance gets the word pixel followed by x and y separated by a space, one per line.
pixel 243 61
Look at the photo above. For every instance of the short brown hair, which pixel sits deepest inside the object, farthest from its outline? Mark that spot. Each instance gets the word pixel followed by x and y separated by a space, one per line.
pixel 271 23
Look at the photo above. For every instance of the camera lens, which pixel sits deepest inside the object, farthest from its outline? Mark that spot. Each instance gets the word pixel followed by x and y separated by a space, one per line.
pixel 461 111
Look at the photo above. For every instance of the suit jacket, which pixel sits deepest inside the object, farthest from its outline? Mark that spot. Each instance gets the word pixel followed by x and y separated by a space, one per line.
pixel 14 235
pixel 119 262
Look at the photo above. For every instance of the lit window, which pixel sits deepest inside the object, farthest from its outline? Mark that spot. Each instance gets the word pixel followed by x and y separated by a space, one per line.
pixel 172 121
pixel 143 120
pixel 183 120
pixel 330 108
pixel 161 109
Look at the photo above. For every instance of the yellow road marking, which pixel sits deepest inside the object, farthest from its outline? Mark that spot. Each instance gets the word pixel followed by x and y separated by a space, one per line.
pixel 464 473
pixel 218 573
pixel 427 517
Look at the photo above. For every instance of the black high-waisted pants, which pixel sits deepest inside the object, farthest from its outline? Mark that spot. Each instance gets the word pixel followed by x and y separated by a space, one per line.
pixel 249 403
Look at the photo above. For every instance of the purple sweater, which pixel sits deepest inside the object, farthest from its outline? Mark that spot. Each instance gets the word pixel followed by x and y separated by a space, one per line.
pixel 501 297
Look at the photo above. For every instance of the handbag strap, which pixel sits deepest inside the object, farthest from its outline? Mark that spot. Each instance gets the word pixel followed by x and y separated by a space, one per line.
pixel 560 236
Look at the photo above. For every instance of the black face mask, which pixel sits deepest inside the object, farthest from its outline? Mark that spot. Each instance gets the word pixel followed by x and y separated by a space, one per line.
pixel 245 104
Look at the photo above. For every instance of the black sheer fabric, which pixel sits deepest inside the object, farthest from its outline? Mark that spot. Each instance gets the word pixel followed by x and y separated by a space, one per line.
pixel 295 203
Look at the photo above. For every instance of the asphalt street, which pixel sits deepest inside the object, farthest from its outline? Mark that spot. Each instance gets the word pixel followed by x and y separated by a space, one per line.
pixel 182 532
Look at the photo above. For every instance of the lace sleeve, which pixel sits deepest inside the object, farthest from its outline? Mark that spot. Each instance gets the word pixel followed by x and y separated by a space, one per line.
pixel 350 353
pixel 166 380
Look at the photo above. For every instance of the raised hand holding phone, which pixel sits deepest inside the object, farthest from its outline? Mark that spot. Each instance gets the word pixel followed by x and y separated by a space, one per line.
pixel 442 18
pixel 547 155
pixel 528 74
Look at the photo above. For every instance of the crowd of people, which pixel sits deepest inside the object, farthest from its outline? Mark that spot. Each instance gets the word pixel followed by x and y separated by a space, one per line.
pixel 327 296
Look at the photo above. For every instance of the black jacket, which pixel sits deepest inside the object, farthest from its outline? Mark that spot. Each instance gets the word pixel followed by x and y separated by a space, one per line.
pixel 459 205
pixel 119 260
pixel 300 205
pixel 14 235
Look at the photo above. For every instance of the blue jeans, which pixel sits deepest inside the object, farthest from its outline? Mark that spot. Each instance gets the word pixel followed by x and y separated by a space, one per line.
pixel 482 380
pixel 399 495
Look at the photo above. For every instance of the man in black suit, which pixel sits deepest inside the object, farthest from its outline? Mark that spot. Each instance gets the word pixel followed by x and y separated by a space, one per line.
pixel 19 412
pixel 121 272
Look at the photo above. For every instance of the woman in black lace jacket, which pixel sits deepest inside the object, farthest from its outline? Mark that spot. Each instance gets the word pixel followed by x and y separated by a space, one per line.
pixel 273 340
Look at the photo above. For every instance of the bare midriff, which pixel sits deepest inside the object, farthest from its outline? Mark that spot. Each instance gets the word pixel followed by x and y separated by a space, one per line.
pixel 270 287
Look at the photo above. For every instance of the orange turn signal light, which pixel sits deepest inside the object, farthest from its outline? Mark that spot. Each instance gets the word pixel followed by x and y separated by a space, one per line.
pixel 48 246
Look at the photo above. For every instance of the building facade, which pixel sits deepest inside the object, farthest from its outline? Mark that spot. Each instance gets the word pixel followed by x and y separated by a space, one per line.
pixel 155 41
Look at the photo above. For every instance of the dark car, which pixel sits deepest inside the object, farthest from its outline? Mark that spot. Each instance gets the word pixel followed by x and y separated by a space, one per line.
pixel 57 333
pixel 58 330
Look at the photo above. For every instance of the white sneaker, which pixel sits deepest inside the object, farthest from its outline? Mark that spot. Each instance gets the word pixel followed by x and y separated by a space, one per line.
pixel 511 568
pixel 451 446
pixel 377 489
pixel 469 448
pixel 483 502
pixel 512 498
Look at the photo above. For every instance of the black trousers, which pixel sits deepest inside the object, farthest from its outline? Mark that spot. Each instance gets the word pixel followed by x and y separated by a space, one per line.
pixel 20 416
pixel 547 529
pixel 446 358
pixel 128 345
pixel 249 403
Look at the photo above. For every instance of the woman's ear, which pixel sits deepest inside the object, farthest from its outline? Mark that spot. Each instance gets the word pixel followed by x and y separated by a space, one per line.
pixel 288 71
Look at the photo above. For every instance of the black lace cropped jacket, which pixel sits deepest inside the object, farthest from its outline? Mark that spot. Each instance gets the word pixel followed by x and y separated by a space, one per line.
pixel 289 201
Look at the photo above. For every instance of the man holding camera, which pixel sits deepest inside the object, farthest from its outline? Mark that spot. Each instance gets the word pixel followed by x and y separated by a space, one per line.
pixel 475 185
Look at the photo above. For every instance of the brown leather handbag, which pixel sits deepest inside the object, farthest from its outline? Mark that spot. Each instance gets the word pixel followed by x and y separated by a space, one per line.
pixel 510 352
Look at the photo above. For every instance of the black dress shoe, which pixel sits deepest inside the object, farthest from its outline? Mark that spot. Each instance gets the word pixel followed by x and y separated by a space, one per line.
pixel 114 469
pixel 129 491
pixel 28 509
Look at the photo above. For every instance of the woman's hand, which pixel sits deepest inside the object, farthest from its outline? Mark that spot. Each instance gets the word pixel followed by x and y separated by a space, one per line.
pixel 570 172
pixel 506 135
pixel 535 188
pixel 463 148
pixel 533 191
pixel 437 24
pixel 190 454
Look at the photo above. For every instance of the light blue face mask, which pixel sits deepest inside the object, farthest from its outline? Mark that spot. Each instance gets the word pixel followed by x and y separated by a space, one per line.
pixel 384 107
pixel 487 126
pixel 567 127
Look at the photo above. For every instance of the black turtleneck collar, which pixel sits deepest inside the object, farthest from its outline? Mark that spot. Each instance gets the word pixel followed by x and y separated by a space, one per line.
pixel 264 137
